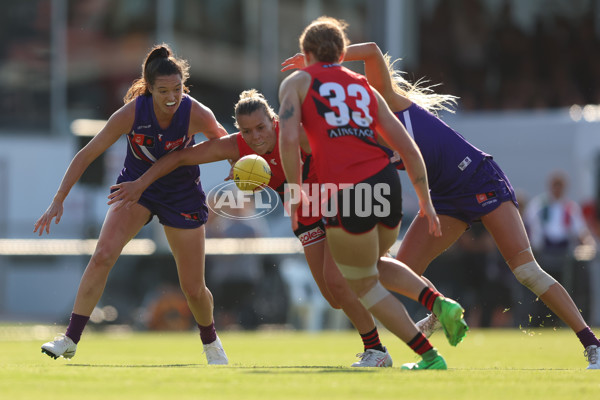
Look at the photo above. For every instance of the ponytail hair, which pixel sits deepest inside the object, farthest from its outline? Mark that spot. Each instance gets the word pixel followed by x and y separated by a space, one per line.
pixel 160 61
pixel 250 101
pixel 418 92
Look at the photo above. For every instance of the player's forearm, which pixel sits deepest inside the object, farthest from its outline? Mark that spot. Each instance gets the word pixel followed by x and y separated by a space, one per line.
pixel 417 172
pixel 361 51
pixel 77 167
pixel 160 168
pixel 376 69
pixel 290 159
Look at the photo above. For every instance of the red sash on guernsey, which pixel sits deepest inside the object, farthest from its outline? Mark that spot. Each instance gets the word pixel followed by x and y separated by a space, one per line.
pixel 277 175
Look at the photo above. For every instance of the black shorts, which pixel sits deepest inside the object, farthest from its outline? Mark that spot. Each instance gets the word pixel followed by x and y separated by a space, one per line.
pixel 359 208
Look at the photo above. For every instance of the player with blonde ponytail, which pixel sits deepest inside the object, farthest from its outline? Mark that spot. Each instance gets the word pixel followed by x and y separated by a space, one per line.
pixel 466 186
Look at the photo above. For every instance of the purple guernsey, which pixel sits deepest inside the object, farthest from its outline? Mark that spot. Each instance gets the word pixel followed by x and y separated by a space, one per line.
pixel 177 198
pixel 449 158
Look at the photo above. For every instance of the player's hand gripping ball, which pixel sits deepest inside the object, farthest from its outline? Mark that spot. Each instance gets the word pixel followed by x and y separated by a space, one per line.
pixel 251 173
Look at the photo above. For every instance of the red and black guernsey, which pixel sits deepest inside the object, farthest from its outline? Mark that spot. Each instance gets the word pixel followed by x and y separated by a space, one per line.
pixel 339 114
pixel 274 160
pixel 278 180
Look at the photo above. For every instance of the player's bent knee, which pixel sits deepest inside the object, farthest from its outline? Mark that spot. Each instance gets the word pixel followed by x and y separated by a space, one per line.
pixel 374 295
pixel 534 277
pixel 353 273
pixel 335 306
pixel 330 298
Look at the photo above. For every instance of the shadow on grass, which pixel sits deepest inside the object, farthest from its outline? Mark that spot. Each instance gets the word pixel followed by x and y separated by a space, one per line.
pixel 284 369
pixel 136 365
pixel 247 369
pixel 304 369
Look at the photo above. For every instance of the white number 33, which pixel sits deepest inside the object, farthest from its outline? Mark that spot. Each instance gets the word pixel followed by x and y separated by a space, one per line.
pixel 337 98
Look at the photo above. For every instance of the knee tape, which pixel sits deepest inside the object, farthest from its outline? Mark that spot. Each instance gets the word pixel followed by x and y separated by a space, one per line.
pixel 534 278
pixel 350 272
pixel 374 296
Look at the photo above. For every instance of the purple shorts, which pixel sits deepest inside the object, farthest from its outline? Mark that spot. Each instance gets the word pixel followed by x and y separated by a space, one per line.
pixel 482 194
pixel 185 209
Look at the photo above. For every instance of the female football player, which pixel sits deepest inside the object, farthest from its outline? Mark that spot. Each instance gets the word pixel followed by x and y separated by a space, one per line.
pixel 342 116
pixel 158 117
pixel 259 134
pixel 466 186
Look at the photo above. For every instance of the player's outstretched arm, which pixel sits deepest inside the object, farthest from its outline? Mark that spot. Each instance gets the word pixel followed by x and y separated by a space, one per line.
pixel 377 72
pixel 128 193
pixel 395 134
pixel 289 139
pixel 117 125
pixel 376 69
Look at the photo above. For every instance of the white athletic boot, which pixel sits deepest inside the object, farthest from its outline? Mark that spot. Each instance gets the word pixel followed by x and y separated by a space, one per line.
pixel 215 355
pixel 61 346
pixel 374 358
pixel 429 325
pixel 592 354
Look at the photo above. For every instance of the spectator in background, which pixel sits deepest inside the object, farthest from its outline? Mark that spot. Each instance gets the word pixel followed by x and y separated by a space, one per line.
pixel 556 227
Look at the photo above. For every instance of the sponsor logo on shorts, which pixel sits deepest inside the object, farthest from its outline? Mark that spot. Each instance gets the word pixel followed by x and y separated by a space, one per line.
pixel 464 163
pixel 191 216
pixel 312 236
pixel 486 198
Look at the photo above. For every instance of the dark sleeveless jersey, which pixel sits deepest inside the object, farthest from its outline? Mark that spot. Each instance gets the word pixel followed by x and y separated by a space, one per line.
pixel 339 114
pixel 450 159
pixel 147 142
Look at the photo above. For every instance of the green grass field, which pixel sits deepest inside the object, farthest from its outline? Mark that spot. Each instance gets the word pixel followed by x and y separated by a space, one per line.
pixel 489 364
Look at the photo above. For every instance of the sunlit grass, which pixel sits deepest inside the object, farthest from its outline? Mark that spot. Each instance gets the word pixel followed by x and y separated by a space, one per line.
pixel 489 364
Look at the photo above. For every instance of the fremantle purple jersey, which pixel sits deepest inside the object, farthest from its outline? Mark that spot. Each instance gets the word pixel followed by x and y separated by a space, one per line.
pixel 449 158
pixel 147 142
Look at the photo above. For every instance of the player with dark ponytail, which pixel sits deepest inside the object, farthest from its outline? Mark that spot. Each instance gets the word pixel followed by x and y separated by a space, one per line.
pixel 158 118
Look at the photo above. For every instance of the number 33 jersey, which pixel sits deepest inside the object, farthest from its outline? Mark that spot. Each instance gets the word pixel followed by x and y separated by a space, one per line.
pixel 339 115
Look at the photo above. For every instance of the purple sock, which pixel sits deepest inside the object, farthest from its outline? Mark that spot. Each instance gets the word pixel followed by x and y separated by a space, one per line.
pixel 208 334
pixel 76 325
pixel 587 337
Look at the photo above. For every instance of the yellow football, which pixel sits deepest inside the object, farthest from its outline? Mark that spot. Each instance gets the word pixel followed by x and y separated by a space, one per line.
pixel 251 173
